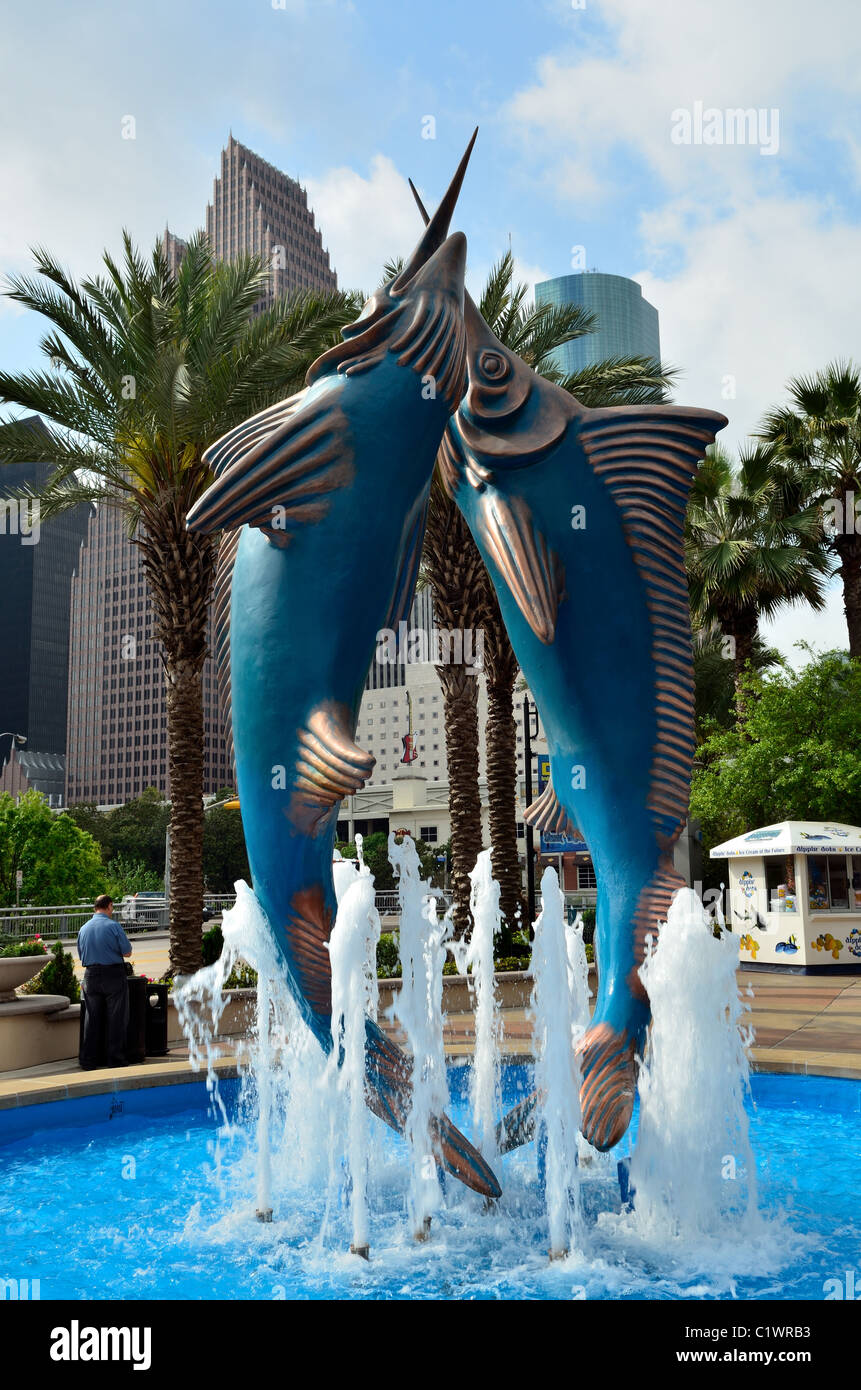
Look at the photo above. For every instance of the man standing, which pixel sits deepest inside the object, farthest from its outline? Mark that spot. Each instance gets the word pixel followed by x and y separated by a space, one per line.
pixel 102 947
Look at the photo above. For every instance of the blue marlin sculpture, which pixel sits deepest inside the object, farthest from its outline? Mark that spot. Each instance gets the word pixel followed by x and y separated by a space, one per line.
pixel 579 517
pixel 322 499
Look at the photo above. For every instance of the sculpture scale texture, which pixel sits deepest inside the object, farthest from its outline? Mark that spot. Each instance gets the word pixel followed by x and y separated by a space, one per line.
pixel 323 499
pixel 579 517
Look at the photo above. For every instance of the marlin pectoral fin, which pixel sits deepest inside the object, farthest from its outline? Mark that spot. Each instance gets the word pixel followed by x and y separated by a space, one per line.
pixel 278 470
pixel 388 1078
pixel 532 571
pixel 329 766
pixel 549 815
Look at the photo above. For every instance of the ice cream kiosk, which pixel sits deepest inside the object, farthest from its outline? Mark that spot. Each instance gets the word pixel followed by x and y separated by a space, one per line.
pixel 795 894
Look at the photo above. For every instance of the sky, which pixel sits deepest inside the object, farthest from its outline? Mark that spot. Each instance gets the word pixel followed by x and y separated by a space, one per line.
pixel 602 126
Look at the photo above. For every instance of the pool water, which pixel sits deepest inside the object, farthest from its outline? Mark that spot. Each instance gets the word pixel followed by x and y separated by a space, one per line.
pixel 146 1194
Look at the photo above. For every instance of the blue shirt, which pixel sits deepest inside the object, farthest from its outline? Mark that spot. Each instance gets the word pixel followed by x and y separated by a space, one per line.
pixel 102 941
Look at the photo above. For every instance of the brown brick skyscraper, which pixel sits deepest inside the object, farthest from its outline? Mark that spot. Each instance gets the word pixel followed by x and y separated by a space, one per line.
pixel 257 210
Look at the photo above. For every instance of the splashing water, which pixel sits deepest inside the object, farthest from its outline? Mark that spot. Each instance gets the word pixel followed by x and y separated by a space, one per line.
pixel 353 953
pixel 484 1086
pixel 693 1170
pixel 419 1008
pixel 557 1076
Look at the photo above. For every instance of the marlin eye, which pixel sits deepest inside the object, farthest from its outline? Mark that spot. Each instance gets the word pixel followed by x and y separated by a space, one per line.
pixel 492 366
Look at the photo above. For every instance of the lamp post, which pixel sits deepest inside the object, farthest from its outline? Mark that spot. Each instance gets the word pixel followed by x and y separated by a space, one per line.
pixel 18 741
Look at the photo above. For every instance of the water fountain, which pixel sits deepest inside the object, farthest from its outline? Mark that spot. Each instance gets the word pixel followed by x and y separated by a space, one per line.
pixel 419 1008
pixel 353 951
pixel 556 1077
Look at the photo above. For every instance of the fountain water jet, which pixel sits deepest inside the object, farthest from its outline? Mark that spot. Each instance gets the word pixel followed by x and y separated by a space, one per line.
pixel 693 1170
pixel 484 1086
pixel 557 1078
pixel 419 1008
pixel 353 953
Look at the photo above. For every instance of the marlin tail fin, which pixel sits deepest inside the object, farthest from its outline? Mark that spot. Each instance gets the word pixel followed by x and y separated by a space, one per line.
pixel 607 1084
pixel 388 1088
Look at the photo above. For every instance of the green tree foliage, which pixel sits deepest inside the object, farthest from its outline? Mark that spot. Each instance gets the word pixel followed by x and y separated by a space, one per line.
pixel 224 855
pixel 127 875
pixel 376 852
pixel 714 681
pixel 796 757
pixel 61 862
pixel 134 833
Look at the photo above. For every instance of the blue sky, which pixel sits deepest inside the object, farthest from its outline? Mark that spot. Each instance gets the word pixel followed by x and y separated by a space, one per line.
pixel 750 258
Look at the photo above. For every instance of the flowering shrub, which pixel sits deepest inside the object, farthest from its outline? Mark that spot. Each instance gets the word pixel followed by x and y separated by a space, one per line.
pixel 34 947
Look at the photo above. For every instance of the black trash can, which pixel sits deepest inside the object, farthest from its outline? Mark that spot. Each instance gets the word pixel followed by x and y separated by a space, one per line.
pixel 156 1020
pixel 136 1032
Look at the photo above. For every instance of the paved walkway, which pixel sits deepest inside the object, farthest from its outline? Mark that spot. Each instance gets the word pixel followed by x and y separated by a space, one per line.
pixel 802 1024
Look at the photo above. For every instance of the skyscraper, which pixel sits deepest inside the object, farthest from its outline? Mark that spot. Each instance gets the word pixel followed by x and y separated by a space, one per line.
pixel 257 210
pixel 35 576
pixel 174 249
pixel 117 744
pixel 627 324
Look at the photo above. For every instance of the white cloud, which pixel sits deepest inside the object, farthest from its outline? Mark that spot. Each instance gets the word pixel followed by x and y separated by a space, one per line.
pixel 669 56
pixel 366 220
pixel 764 295
pixel 825 630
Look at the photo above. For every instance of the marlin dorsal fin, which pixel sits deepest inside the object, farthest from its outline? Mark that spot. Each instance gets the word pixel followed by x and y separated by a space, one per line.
pixel 278 470
pixel 549 815
pixel 532 571
pixel 647 456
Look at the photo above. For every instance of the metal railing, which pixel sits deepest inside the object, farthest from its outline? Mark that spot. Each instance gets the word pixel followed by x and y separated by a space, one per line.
pixel 65 920
pixel 388 904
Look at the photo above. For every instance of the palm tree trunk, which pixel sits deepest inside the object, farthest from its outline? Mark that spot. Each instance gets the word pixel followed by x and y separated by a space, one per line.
pixel 185 765
pixel 502 801
pixel 460 696
pixel 848 549
pixel 501 668
pixel 455 571
pixel 180 569
pixel 743 630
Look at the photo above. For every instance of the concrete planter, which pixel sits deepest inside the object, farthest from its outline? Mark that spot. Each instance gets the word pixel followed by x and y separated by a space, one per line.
pixel 17 970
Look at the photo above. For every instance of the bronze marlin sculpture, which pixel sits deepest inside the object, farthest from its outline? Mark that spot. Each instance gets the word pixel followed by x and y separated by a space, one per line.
pixel 323 499
pixel 579 517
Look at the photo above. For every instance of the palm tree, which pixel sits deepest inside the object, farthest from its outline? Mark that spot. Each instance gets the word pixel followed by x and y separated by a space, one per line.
pixel 714 686
pixel 820 432
pixel 752 543
pixel 533 332
pixel 149 368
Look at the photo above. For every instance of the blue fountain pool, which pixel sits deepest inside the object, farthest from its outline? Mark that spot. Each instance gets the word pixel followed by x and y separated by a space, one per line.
pixel 136 1196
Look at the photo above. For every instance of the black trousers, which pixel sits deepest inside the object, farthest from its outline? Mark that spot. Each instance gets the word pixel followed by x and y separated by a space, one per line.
pixel 105 1002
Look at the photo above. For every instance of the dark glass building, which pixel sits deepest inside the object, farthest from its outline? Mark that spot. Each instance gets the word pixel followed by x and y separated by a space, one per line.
pixel 117 745
pixel 627 323
pixel 37 560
